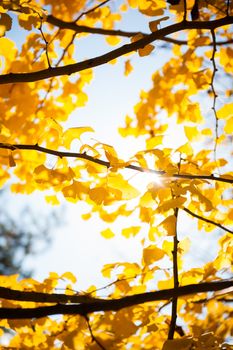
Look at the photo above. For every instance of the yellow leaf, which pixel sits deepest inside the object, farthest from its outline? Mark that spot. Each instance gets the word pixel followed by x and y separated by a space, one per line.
pixel 184 245
pixel 207 132
pixel 154 141
pixel 191 133
pixel 28 21
pixel 74 191
pixel 69 276
pixel 108 234
pixel 114 61
pixel 169 225
pixel 74 133
pixel 93 151
pixel 152 254
pixel 98 195
pixel 128 67
pixel 185 149
pixel 107 269
pixel 228 128
pixel 166 284
pixel 168 247
pixel 110 153
pixel 153 232
pixel 131 231
pixel 117 181
pixel 145 51
pixel 113 40
pixel 7 48
pixel 52 200
pixel 226 111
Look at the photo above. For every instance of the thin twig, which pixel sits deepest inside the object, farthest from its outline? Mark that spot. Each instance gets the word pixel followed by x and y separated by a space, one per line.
pixel 211 3
pixel 207 220
pixel 185 11
pixel 214 93
pixel 46 42
pixel 107 164
pixel 91 10
pixel 92 335
pixel 228 8
pixel 40 106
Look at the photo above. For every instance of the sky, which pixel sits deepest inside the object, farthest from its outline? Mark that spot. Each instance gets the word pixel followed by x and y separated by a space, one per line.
pixel 77 245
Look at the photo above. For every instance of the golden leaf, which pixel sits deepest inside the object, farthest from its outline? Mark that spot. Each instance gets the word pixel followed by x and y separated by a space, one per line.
pixel 108 234
pixel 169 225
pixel 128 68
pixel 153 25
pixel 145 51
pixel 152 254
pixel 131 231
pixel 74 133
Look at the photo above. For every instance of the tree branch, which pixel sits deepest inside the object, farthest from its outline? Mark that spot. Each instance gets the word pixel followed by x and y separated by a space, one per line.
pixel 115 32
pixel 175 276
pixel 93 337
pixel 85 156
pixel 85 29
pixel 207 220
pixel 100 60
pixel 114 304
pixel 37 297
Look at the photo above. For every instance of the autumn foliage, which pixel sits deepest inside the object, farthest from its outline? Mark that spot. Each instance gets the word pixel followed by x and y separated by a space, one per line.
pixel 159 303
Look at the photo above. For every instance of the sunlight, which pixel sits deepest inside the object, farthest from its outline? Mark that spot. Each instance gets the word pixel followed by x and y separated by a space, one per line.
pixel 143 180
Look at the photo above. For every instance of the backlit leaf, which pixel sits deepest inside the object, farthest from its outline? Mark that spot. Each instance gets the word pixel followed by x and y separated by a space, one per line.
pixel 131 231
pixel 74 133
pixel 169 225
pixel 108 234
pixel 191 133
pixel 152 254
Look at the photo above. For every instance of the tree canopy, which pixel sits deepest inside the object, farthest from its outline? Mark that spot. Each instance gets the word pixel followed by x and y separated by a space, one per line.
pixel 159 303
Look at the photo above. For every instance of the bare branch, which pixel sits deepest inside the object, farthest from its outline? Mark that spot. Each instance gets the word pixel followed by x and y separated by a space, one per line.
pixel 114 304
pixel 115 32
pixel 228 8
pixel 207 220
pixel 214 93
pixel 93 337
pixel 185 11
pixel 172 327
pixel 85 156
pixel 100 60
pixel 45 41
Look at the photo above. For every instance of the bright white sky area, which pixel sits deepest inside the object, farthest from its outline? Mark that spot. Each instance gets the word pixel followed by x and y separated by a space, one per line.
pixel 77 245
